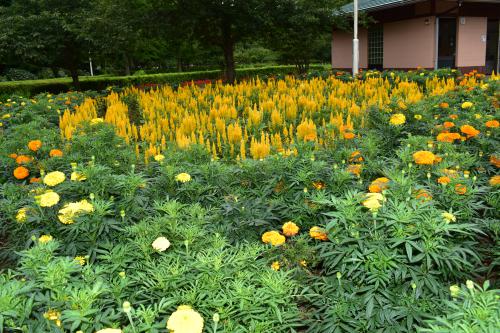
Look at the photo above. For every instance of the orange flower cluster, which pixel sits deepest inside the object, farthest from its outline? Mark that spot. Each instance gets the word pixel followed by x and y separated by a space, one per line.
pixel 21 171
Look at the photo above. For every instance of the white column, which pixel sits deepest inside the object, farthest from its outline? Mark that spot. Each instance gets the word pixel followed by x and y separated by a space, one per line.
pixel 355 42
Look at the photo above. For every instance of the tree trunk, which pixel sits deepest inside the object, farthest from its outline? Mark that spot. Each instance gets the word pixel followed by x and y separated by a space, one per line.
pixel 228 46
pixel 74 77
pixel 127 64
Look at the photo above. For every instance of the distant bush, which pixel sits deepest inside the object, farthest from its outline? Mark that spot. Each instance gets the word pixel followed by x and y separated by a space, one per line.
pixel 102 82
pixel 16 74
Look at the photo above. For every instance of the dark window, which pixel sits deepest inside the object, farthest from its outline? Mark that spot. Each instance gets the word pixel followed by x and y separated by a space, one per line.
pixel 447 47
pixel 376 47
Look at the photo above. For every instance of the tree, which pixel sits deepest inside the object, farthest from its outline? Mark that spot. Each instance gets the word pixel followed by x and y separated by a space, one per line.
pixel 301 29
pixel 45 33
pixel 222 23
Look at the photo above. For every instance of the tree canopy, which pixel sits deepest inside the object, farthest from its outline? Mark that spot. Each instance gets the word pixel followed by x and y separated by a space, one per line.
pixel 140 33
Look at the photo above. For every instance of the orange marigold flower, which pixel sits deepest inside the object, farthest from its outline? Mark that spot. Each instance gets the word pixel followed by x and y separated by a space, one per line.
pixel 290 229
pixel 378 185
pixel 13 155
pixel 35 180
pixel 423 195
pixel 453 116
pixel 35 145
pixel 448 137
pixel 460 189
pixel 444 180
pixel 55 153
pixel 495 161
pixel 355 169
pixel 424 157
pixel 469 130
pixel 23 159
pixel 318 233
pixel 21 172
pixel 492 123
pixel 349 136
pixel 356 156
pixel 444 105
pixel 495 180
pixel 448 124
pixel 319 185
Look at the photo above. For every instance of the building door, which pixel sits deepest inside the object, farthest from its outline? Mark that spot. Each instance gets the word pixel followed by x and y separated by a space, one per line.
pixel 447 42
pixel 492 47
pixel 376 47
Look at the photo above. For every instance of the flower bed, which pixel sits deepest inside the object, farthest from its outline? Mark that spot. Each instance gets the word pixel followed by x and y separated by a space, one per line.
pixel 318 205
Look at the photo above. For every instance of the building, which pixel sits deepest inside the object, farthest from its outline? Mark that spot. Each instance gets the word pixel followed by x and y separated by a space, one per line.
pixel 432 34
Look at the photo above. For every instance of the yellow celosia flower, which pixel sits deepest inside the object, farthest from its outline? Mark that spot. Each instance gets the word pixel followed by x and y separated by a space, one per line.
pixel 397 119
pixel 96 121
pixel 47 199
pixel 185 320
pixel 54 178
pixel 45 239
pixel 183 177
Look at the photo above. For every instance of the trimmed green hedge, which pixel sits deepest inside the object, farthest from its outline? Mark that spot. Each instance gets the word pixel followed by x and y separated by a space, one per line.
pixel 32 87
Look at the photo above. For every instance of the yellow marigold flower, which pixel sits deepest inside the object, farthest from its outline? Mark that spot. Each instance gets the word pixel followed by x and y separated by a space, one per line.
pixel 21 215
pixel 275 266
pixel 273 237
pixel 45 239
pixel 290 229
pixel 52 315
pixel 161 244
pixel 424 157
pixel 467 105
pixel 185 320
pixel 454 290
pixel 54 178
pixel 378 185
pixel 73 209
pixel 77 176
pixel 80 259
pixel 318 233
pixel 110 330
pixel 418 116
pixel 449 217
pixel 159 157
pixel 495 180
pixel 397 119
pixel 47 199
pixel 183 177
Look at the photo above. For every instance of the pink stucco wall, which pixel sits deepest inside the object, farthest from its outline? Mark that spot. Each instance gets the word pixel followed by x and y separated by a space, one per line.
pixel 410 43
pixel 342 49
pixel 471 49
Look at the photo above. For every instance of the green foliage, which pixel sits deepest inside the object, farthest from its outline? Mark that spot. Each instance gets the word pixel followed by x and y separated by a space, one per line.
pixel 103 82
pixel 476 309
